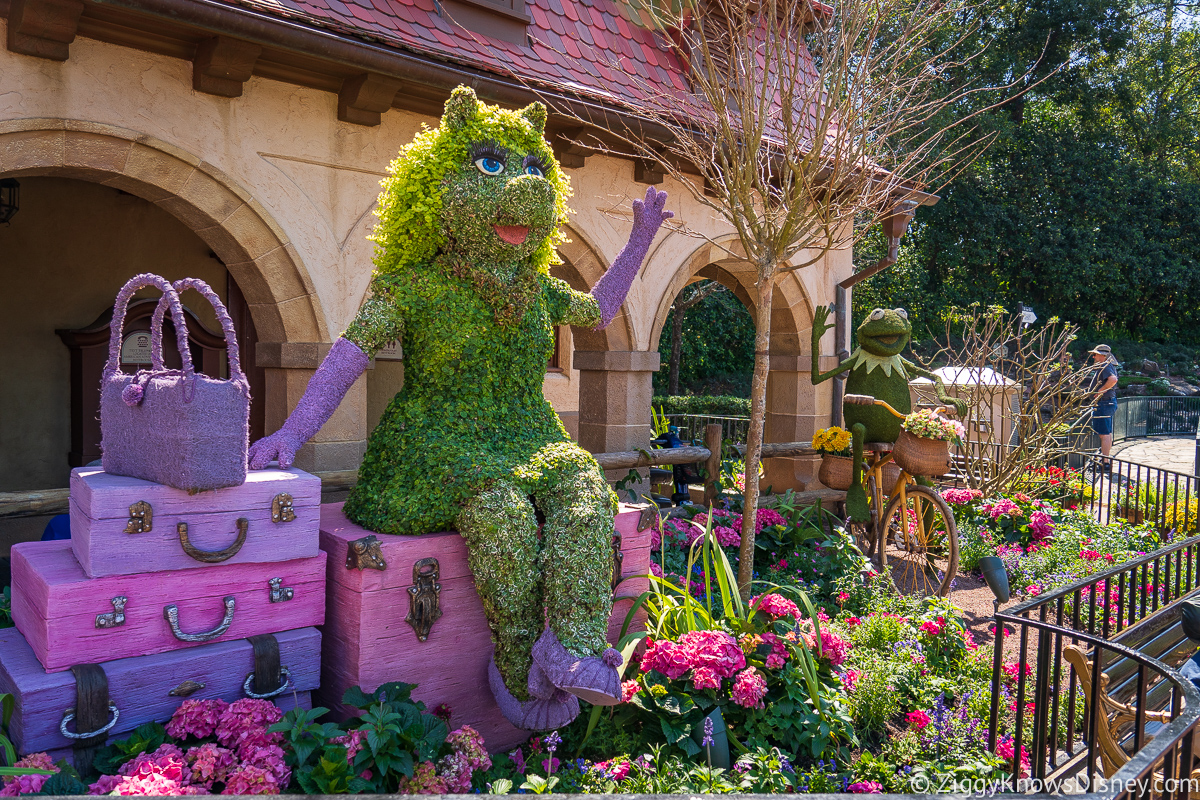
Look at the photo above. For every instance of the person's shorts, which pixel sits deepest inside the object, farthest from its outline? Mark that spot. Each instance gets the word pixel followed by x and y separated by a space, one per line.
pixel 1102 419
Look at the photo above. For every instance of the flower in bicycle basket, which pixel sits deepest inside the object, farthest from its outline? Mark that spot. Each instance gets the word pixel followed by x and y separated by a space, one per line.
pixel 928 425
pixel 833 440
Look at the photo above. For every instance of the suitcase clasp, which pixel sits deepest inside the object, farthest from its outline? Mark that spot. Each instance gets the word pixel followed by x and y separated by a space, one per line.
pixel 365 553
pixel 141 518
pixel 282 508
pixel 279 592
pixel 424 596
pixel 116 618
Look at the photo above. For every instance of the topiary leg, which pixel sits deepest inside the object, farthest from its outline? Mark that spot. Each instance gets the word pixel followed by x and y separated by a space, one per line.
pixel 576 558
pixel 500 529
pixel 856 498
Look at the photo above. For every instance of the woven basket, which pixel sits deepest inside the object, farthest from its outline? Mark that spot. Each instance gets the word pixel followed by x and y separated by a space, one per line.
pixel 891 474
pixel 919 456
pixel 837 472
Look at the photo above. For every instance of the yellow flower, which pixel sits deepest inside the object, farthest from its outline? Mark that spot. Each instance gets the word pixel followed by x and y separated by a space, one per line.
pixel 842 440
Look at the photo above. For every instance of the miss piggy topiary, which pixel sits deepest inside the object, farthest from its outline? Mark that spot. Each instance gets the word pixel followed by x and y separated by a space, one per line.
pixel 468 223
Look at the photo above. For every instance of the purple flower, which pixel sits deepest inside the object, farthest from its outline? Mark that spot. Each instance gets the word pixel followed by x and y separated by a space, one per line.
pixel 708 732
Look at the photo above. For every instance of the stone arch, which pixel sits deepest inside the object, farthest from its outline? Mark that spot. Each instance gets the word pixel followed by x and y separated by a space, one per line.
pixel 793 407
pixel 254 249
pixel 724 262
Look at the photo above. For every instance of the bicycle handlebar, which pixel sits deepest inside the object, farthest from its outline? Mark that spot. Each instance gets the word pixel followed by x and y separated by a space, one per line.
pixel 868 400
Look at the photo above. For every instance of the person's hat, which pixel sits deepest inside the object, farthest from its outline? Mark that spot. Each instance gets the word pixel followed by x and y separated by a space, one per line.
pixel 1102 349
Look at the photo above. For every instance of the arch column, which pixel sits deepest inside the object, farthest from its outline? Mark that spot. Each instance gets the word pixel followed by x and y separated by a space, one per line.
pixel 615 393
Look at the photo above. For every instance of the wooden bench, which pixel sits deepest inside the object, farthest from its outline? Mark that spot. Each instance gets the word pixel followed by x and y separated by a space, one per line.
pixel 1159 636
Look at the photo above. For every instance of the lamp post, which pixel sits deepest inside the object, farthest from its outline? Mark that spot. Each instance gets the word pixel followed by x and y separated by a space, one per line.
pixel 996 577
pixel 10 195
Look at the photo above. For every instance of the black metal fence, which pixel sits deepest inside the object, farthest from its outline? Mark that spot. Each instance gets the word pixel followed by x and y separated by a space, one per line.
pixel 1145 749
pixel 1137 493
pixel 691 427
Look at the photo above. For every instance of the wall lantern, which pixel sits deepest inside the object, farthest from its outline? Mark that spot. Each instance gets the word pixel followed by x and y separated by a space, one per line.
pixel 10 193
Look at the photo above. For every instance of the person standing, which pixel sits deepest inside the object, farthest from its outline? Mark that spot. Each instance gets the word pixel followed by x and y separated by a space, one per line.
pixel 1104 384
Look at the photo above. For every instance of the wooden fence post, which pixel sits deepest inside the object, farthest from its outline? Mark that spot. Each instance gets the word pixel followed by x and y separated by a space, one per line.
pixel 712 467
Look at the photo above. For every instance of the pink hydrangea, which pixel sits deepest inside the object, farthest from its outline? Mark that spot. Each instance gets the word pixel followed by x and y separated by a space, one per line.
pixel 208 764
pixel 160 773
pixel 865 787
pixel 251 779
pixel 775 605
pixel 917 719
pixel 628 690
pixel 196 718
pixel 749 688
pixel 268 757
pixel 1040 524
pixel 706 678
pixel 469 742
pixel 455 772
pixel 655 569
pixel 14 785
pixel 960 497
pixel 243 724
pixel 779 652
pixel 849 679
pixel 1003 507
pixel 833 647
pixel 715 649
pixel 425 780
pixel 727 537
pixel 667 657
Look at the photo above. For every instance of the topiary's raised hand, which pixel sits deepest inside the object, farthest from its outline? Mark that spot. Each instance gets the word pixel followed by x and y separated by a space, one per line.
pixel 337 373
pixel 610 290
pixel 819 327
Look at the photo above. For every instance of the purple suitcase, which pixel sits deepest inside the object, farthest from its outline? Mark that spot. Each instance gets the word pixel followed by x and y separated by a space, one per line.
pixel 122 526
pixel 70 619
pixel 149 688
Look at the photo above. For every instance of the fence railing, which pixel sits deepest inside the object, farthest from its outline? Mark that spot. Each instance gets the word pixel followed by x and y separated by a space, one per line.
pixel 1087 615
pixel 692 426
pixel 1137 493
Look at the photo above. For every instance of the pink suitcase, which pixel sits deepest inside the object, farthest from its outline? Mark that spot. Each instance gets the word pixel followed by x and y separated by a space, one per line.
pixel 368 641
pixel 122 526
pixel 147 688
pixel 69 619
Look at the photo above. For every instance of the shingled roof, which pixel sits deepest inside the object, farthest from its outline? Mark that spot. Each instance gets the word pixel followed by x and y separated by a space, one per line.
pixel 593 48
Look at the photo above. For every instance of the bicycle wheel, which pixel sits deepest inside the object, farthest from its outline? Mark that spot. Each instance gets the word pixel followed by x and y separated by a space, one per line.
pixel 921 543
pixel 864 532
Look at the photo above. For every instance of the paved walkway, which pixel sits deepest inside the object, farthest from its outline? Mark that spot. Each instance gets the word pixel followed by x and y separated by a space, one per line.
pixel 1175 454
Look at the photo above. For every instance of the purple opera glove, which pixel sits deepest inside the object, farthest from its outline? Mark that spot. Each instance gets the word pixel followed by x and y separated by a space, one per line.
pixel 325 391
pixel 610 290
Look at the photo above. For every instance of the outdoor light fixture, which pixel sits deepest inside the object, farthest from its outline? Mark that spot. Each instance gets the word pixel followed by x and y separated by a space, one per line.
pixel 996 577
pixel 10 193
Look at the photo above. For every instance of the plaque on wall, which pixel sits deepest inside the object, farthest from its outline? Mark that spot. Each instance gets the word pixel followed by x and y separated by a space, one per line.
pixel 135 348
pixel 390 352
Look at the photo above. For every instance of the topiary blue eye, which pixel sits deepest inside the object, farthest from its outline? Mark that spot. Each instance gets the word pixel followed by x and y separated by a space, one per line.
pixel 489 165
pixel 533 169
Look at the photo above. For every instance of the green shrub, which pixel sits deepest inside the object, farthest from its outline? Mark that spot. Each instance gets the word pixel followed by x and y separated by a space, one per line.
pixel 719 405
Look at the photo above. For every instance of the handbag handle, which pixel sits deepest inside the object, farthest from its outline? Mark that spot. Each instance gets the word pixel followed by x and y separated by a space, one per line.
pixel 117 326
pixel 231 345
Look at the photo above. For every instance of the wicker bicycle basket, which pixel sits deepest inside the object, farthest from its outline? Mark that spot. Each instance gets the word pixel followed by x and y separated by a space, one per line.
pixel 920 456
pixel 836 472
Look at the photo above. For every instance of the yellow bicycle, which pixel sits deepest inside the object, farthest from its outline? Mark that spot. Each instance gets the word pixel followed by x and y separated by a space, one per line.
pixel 912 536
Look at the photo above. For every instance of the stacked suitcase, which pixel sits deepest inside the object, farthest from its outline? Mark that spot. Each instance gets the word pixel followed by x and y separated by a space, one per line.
pixel 162 595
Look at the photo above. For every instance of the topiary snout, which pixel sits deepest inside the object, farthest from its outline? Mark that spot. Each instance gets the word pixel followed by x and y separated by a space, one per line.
pixel 526 204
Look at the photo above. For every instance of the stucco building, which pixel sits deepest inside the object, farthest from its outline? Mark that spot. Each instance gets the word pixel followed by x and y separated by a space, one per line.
pixel 243 141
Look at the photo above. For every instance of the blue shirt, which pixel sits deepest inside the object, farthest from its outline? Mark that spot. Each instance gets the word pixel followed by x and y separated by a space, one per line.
pixel 1109 371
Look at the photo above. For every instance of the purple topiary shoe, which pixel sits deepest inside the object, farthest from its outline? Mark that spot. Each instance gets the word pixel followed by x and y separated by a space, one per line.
pixel 594 679
pixel 551 708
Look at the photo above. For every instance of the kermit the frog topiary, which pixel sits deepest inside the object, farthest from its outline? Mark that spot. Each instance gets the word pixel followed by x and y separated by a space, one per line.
pixel 468 221
pixel 876 369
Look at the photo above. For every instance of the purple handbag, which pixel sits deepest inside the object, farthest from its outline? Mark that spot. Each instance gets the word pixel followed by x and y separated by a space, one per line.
pixel 174 427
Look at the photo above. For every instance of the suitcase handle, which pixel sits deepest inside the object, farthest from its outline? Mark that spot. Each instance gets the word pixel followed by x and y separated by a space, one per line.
pixel 171 613
pixel 287 681
pixel 213 556
pixel 69 716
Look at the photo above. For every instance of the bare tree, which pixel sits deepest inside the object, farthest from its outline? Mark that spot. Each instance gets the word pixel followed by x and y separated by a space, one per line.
pixel 1027 402
pixel 803 126
pixel 689 297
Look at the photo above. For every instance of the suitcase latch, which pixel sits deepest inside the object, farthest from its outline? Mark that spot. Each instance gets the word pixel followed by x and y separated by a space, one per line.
pixel 282 508
pixel 279 592
pixel 424 596
pixel 618 559
pixel 116 618
pixel 365 553
pixel 186 689
pixel 141 518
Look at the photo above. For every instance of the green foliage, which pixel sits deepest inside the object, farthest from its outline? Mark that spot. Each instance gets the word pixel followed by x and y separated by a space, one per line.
pixel 716 349
pixel 717 405
pixel 6 620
